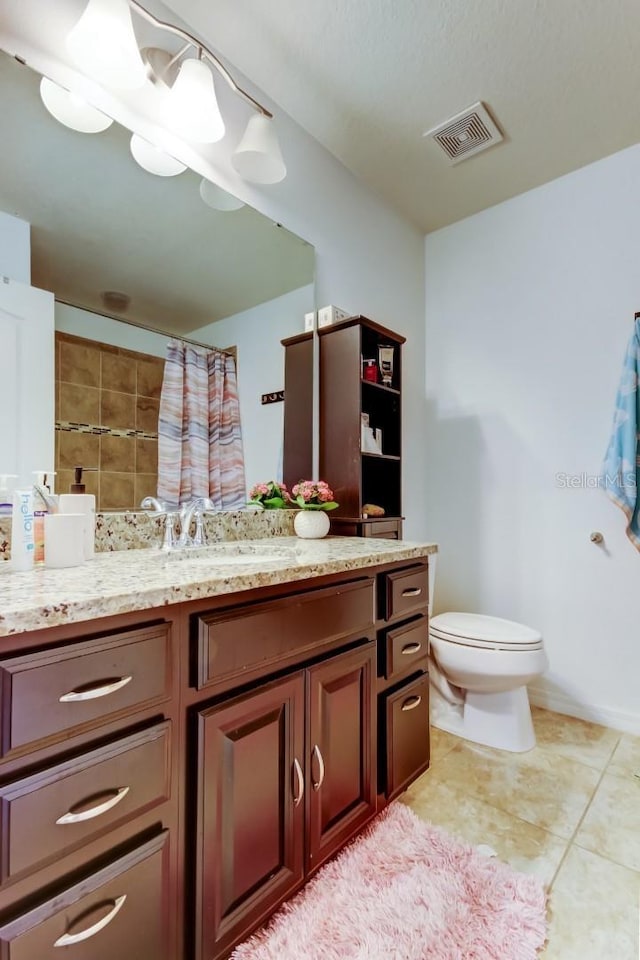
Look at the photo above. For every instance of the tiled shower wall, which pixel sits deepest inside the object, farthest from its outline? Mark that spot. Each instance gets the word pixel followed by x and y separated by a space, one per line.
pixel 107 401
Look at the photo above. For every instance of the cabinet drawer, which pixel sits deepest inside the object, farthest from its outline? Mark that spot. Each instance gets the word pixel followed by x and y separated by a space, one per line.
pixel 405 645
pixel 56 692
pixel 235 642
pixel 119 911
pixel 52 812
pixel 406 590
pixel 407 734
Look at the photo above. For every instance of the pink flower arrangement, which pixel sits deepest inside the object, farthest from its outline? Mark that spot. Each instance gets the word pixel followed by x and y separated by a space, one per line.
pixel 272 495
pixel 313 495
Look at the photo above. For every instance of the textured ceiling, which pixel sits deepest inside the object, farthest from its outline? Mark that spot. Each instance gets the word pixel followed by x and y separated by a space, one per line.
pixel 368 77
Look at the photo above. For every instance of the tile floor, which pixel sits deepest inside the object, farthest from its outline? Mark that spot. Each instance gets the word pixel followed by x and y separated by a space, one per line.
pixel 568 811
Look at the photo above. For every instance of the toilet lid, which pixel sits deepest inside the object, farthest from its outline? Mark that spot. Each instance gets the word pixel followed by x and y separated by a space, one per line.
pixel 475 629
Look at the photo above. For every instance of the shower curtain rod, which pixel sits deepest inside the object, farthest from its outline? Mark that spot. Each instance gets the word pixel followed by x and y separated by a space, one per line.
pixel 144 326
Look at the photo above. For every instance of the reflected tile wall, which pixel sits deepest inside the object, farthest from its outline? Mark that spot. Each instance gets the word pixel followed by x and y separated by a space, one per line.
pixel 107 403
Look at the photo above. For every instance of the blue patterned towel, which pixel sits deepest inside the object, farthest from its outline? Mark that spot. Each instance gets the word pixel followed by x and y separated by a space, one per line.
pixel 622 463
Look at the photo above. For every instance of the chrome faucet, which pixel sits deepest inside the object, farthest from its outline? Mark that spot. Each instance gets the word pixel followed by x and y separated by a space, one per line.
pixel 194 510
pixel 160 509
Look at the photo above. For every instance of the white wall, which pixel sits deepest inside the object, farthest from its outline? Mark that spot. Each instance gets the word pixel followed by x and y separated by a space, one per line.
pixel 94 326
pixel 15 248
pixel 261 370
pixel 529 306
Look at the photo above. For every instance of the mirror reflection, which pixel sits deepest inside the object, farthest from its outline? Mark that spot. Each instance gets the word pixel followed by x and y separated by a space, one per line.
pixel 115 243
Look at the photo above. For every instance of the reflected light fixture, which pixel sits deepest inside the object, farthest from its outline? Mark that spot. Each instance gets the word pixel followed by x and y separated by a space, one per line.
pixel 103 45
pixel 71 110
pixel 153 159
pixel 217 198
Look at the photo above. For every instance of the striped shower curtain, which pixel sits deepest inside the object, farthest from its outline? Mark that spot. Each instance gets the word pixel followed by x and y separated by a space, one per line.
pixel 199 436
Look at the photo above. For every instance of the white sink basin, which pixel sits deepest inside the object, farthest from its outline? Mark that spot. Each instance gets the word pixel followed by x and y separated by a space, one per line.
pixel 228 554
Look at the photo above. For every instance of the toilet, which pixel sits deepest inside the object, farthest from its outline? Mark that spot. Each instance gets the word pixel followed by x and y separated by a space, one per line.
pixel 479 670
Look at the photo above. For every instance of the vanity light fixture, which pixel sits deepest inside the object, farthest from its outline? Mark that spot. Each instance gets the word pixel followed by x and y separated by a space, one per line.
pixel 71 110
pixel 153 159
pixel 192 105
pixel 104 47
pixel 258 157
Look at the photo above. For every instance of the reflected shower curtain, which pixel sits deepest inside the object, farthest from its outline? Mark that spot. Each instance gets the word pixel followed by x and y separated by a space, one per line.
pixel 199 435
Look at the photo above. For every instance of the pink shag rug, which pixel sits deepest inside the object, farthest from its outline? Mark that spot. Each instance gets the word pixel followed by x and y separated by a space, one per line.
pixel 405 890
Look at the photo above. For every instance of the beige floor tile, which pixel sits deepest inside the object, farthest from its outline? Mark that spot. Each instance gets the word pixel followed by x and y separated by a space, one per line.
pixel 588 743
pixel 611 826
pixel 626 759
pixel 524 846
pixel 549 791
pixel 593 910
pixel 441 743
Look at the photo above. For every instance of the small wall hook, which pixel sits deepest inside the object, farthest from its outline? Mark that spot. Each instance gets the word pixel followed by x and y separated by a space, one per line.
pixel 596 537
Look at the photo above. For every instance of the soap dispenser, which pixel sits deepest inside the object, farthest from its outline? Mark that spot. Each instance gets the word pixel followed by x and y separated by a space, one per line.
pixel 78 501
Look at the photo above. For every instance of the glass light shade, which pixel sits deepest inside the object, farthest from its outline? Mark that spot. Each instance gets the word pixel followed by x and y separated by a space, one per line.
pixel 192 109
pixel 153 159
pixel 258 157
pixel 103 45
pixel 217 198
pixel 71 110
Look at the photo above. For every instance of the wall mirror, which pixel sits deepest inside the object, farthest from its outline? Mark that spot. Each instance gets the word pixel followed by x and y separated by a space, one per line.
pixel 102 227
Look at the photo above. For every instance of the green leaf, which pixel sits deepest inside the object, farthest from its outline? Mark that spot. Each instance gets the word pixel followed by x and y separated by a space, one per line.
pixel 274 503
pixel 331 505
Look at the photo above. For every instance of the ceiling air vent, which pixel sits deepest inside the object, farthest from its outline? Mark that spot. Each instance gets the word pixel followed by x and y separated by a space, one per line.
pixel 467 133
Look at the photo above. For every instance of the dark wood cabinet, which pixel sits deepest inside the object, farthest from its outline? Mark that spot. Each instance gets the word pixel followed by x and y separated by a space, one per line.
pixel 403 677
pixel 259 783
pixel 298 408
pixel 169 777
pixel 120 910
pixel 249 840
pixel 340 751
pixel 358 472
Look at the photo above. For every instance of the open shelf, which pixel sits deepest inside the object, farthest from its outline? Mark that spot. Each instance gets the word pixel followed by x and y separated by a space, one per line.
pixel 380 386
pixel 380 456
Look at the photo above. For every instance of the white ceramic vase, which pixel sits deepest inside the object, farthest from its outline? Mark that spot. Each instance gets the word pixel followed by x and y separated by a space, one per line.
pixel 311 524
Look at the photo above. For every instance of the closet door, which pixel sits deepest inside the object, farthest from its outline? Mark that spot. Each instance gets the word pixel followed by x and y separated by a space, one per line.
pixel 27 418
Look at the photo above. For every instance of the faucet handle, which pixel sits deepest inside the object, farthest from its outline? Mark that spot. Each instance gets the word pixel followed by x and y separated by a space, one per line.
pixel 151 503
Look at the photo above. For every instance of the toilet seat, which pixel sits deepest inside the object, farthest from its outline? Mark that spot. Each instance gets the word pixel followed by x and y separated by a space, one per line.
pixel 478 630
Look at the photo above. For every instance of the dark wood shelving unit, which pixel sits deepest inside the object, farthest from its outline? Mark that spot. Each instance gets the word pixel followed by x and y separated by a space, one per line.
pixel 298 408
pixel 360 477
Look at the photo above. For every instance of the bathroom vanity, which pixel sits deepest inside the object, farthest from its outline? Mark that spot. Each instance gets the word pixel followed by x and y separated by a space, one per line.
pixel 185 739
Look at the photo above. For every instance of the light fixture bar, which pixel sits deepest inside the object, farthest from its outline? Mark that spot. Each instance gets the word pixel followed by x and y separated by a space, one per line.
pixel 199 46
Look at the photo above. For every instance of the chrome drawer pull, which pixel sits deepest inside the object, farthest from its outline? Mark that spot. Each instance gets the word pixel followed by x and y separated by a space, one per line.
pixel 91 693
pixel 412 592
pixel 299 794
pixel 69 938
pixel 96 811
pixel 411 703
pixel 316 753
pixel 411 648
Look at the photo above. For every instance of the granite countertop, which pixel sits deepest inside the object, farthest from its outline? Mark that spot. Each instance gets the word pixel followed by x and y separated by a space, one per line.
pixel 129 580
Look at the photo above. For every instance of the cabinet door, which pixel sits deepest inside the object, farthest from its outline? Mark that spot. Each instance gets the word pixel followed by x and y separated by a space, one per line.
pixel 406 734
pixel 250 811
pixel 341 751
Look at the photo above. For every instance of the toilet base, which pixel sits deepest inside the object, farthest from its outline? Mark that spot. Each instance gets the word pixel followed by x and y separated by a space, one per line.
pixel 498 720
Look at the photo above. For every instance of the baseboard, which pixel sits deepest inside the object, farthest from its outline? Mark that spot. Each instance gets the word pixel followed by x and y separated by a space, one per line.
pixel 617 719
